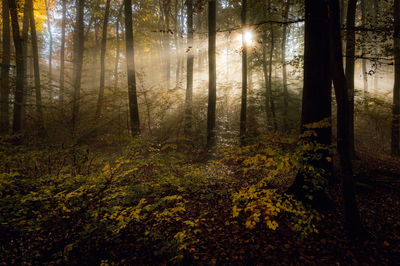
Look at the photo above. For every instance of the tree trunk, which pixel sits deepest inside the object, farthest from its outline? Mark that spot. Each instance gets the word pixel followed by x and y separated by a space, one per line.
pixel 396 89
pixel 271 52
pixel 78 61
pixel 284 74
pixel 316 102
pixel 243 109
pixel 35 52
pixel 50 86
pixel 267 88
pixel 130 59
pixel 177 45
pixel 25 39
pixel 5 71
pixel 364 61
pixel 62 52
pixel 102 59
pixel 19 60
pixel 376 8
pixel 350 60
pixel 117 53
pixel 212 84
pixel 352 217
pixel 189 72
pixel 167 46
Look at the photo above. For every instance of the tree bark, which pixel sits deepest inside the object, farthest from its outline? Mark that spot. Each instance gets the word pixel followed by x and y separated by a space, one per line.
pixel 19 60
pixel 316 101
pixel 396 89
pixel 352 218
pixel 243 109
pixel 117 54
pixel 212 83
pixel 62 52
pixel 130 59
pixel 102 59
pixel 271 53
pixel 189 72
pixel 5 71
pixel 25 39
pixel 350 60
pixel 50 86
pixel 364 61
pixel 284 74
pixel 78 61
pixel 35 52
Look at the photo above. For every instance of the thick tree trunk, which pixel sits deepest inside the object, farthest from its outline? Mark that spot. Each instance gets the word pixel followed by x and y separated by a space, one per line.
pixel 316 102
pixel 130 59
pixel 19 60
pixel 5 71
pixel 212 84
pixel 102 59
pixel 350 60
pixel 35 52
pixel 189 72
pixel 396 89
pixel 78 61
pixel 243 108
pixel 50 85
pixel 284 74
pixel 352 217
pixel 62 52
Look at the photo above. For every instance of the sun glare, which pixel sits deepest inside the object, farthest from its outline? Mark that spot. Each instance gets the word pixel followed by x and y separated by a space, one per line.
pixel 248 37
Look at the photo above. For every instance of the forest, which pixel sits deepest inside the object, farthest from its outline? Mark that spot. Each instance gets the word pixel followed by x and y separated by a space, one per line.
pixel 200 132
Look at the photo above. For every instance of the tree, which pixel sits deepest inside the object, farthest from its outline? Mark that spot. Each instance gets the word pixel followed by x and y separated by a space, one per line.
pixel 78 61
pixel 130 59
pixel 212 72
pixel 50 86
pixel 316 100
pixel 352 218
pixel 284 74
pixel 395 149
pixel 243 108
pixel 189 72
pixel 35 52
pixel 19 60
pixel 102 59
pixel 350 60
pixel 5 71
pixel 62 51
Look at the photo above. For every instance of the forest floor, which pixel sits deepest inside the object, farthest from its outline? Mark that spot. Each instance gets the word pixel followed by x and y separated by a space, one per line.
pixel 378 196
pixel 188 219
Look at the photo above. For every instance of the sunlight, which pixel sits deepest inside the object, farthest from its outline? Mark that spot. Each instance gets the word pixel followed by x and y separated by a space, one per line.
pixel 248 37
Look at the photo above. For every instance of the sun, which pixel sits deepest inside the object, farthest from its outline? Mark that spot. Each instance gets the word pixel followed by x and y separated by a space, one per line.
pixel 248 37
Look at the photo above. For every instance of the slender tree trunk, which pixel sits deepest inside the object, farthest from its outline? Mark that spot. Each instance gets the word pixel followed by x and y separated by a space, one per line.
pixel 189 72
pixel 25 40
pixel 35 52
pixel 352 217
pixel 376 8
pixel 78 61
pixel 102 59
pixel 243 109
pixel 284 74
pixel 5 71
pixel 350 60
pixel 177 44
pixel 396 88
pixel 62 52
pixel 19 60
pixel 50 86
pixel 130 59
pixel 167 46
pixel 117 53
pixel 212 84
pixel 271 53
pixel 267 88
pixel 364 62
